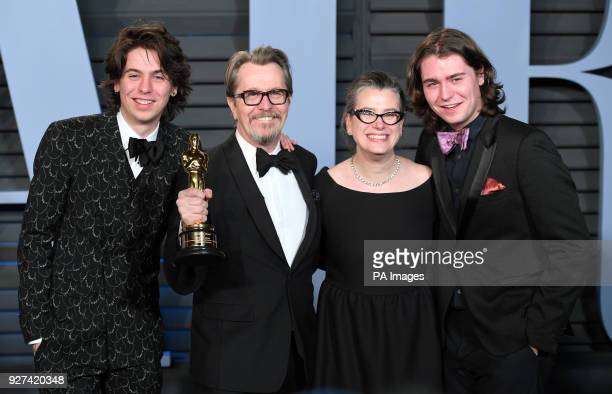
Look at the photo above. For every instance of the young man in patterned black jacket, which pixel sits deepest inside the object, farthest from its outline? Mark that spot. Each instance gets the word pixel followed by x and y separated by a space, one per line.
pixel 95 217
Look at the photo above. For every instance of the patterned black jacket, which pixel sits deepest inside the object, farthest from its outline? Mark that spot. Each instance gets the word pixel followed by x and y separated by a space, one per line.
pixel 89 246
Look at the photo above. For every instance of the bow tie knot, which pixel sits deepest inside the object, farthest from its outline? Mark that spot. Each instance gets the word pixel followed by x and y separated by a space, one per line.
pixel 448 139
pixel 284 161
pixel 146 152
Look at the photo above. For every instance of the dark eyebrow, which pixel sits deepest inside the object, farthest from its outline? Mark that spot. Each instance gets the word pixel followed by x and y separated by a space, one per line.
pixel 456 75
pixel 134 70
pixel 262 91
pixel 390 109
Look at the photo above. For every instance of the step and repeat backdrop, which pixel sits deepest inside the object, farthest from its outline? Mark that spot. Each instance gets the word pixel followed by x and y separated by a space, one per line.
pixel 568 103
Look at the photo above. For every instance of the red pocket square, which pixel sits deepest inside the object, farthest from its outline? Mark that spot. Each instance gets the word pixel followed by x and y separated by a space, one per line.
pixel 491 186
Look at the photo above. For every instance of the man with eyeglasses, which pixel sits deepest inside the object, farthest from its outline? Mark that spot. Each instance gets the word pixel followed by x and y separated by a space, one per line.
pixel 253 317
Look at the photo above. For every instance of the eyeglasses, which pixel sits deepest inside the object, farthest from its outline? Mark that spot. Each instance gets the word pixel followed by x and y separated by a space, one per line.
pixel 366 116
pixel 254 97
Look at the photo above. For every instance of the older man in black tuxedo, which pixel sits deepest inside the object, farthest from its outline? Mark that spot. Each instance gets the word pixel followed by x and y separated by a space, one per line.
pixel 253 318
pixel 496 179
pixel 95 217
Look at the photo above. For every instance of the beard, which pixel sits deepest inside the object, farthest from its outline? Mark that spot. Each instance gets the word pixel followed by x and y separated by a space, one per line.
pixel 264 139
pixel 268 138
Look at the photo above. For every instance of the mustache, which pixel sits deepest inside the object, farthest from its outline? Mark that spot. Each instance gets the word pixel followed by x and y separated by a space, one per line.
pixel 266 114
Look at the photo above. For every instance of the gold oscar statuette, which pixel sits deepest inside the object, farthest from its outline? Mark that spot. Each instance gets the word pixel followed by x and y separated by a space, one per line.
pixel 197 239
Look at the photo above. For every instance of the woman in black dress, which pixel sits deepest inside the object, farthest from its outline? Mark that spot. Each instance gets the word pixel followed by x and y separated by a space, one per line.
pixel 374 339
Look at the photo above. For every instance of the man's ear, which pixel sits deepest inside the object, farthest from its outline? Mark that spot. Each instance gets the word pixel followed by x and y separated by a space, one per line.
pixel 481 76
pixel 231 103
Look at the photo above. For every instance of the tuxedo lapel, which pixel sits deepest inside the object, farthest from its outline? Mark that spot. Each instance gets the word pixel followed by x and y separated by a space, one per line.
pixel 311 224
pixel 252 196
pixel 443 192
pixel 478 169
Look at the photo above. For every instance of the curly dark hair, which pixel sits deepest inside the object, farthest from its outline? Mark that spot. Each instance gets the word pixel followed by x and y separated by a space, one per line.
pixel 153 37
pixel 445 42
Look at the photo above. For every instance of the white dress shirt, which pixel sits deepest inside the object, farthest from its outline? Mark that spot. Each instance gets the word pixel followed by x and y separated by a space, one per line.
pixel 283 199
pixel 126 132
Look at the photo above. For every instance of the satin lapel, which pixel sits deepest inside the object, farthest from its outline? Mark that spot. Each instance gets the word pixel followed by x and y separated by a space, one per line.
pixel 313 217
pixel 478 169
pixel 252 196
pixel 443 192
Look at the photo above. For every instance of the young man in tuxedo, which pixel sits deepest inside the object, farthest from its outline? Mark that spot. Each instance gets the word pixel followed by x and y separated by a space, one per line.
pixel 95 216
pixel 496 178
pixel 253 318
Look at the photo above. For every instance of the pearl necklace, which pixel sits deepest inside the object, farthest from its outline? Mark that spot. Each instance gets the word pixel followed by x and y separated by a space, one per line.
pixel 360 178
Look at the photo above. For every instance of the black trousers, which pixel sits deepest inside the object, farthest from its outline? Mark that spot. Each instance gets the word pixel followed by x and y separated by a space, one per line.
pixel 88 374
pixel 295 379
pixel 88 380
pixel 470 369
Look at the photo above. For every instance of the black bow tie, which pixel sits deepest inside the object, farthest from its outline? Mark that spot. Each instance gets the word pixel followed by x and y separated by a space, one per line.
pixel 146 152
pixel 284 161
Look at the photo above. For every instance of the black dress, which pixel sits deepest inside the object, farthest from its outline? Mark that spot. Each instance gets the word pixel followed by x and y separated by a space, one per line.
pixel 374 339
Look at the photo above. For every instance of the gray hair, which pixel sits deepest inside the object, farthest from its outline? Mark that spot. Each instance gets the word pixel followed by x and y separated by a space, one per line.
pixel 261 56
pixel 371 79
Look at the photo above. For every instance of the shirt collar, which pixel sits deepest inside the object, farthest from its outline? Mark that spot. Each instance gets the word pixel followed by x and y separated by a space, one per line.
pixel 250 151
pixel 126 131
pixel 475 126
